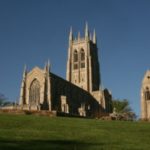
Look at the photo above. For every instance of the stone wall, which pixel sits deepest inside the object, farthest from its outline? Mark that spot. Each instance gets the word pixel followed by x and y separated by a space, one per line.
pixel 77 99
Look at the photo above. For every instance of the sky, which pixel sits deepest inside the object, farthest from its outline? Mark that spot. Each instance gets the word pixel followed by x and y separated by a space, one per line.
pixel 33 31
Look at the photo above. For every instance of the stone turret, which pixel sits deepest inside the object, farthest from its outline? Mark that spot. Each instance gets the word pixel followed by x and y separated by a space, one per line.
pixel 48 93
pixel 23 86
pixel 145 96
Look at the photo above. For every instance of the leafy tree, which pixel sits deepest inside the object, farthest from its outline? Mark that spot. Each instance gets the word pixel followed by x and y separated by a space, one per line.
pixel 121 106
pixel 122 110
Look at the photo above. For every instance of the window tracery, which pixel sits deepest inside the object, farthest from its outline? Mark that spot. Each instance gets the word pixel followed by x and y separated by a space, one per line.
pixel 34 92
pixel 75 59
pixel 82 58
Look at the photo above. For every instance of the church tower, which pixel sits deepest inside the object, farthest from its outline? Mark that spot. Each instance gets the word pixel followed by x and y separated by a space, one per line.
pixel 145 97
pixel 82 63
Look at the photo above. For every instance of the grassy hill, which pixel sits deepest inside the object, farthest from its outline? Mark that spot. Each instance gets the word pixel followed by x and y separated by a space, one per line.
pixel 29 132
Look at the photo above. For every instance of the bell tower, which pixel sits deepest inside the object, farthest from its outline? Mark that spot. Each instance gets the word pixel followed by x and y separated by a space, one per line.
pixel 82 63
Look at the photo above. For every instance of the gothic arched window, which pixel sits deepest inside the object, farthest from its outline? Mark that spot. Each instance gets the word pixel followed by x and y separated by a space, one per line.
pixel 75 57
pixel 34 92
pixel 82 58
pixel 82 55
pixel 147 94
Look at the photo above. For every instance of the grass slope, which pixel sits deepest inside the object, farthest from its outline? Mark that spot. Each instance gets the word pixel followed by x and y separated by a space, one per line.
pixel 20 132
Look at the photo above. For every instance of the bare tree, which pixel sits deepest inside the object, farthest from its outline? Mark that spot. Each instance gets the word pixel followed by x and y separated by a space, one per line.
pixel 4 101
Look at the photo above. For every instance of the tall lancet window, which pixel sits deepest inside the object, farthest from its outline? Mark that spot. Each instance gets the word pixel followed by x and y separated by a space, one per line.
pixel 82 58
pixel 34 92
pixel 75 59
pixel 75 56
pixel 147 94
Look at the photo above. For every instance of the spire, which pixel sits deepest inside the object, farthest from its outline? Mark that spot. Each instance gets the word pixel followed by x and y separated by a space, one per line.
pixel 86 31
pixel 94 37
pixel 48 65
pixel 78 35
pixel 23 86
pixel 48 85
pixel 24 71
pixel 70 34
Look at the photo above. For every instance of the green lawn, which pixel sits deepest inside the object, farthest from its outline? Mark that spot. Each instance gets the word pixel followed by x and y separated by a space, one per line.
pixel 30 132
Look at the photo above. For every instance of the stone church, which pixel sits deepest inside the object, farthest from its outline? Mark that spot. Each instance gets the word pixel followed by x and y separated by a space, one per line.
pixel 80 94
pixel 145 96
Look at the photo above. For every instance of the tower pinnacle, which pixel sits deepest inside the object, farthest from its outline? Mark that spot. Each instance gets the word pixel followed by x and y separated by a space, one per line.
pixel 70 34
pixel 94 37
pixel 48 65
pixel 86 31
pixel 78 35
pixel 24 71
